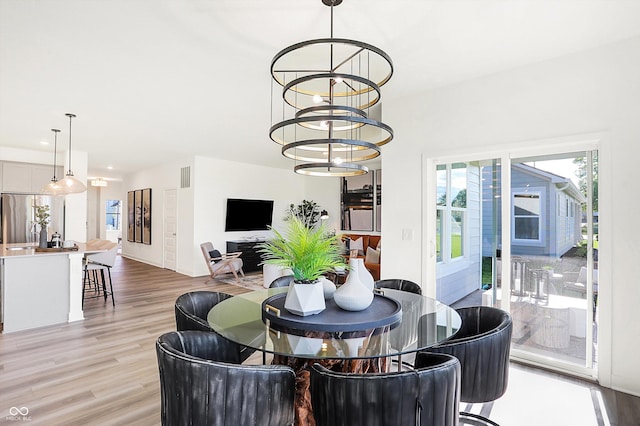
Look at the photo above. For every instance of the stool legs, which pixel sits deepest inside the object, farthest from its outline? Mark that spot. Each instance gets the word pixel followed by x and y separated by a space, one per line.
pixel 100 283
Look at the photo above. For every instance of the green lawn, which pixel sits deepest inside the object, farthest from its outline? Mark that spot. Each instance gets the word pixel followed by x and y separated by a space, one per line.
pixel 486 270
pixel 456 246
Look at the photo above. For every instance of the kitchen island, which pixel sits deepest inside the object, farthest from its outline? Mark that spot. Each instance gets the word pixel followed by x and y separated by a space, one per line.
pixel 41 288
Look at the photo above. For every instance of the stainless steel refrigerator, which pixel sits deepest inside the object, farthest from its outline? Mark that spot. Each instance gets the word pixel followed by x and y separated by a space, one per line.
pixel 18 223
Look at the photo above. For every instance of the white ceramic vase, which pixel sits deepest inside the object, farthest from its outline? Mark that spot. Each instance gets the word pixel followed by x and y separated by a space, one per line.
pixel 305 299
pixel 364 274
pixel 353 295
pixel 328 287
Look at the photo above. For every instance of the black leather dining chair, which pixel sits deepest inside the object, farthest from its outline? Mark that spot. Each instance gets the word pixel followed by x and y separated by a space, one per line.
pixel 426 396
pixel 191 310
pixel 482 345
pixel 283 281
pixel 399 284
pixel 202 383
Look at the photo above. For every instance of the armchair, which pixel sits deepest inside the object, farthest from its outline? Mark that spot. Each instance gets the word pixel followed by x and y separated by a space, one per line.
pixel 580 285
pixel 482 346
pixel 426 396
pixel 201 383
pixel 221 263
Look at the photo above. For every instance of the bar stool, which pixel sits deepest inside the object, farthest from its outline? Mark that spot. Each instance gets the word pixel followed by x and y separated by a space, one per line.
pixel 98 263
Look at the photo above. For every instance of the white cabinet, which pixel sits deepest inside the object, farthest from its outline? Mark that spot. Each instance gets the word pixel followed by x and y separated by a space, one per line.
pixel 26 178
pixel 40 176
pixel 16 177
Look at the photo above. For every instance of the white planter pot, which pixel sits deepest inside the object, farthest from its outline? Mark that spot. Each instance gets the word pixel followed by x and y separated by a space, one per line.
pixel 353 295
pixel 305 299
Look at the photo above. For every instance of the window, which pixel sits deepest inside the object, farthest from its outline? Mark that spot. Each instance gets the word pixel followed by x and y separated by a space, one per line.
pixel 526 214
pixel 451 204
pixel 114 210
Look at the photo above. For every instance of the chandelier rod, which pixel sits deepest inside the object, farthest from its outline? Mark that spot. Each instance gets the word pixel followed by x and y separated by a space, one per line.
pixel 333 69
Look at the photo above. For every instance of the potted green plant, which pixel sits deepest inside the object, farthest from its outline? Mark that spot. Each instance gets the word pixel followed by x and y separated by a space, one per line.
pixel 309 253
pixel 308 212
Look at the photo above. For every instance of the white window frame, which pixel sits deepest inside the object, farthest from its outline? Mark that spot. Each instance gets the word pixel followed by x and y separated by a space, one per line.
pixel 447 209
pixel 530 191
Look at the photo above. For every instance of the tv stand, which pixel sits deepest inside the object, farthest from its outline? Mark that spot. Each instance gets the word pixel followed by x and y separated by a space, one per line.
pixel 251 258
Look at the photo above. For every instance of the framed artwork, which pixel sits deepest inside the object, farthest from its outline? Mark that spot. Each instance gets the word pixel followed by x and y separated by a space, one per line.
pixel 138 215
pixel 146 216
pixel 131 221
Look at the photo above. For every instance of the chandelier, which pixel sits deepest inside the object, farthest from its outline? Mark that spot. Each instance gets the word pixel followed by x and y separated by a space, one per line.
pixel 329 89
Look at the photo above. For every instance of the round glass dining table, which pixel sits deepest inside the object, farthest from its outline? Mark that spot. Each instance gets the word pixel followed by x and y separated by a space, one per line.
pixel 423 322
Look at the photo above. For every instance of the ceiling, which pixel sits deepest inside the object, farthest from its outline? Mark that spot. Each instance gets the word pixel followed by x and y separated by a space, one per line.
pixel 153 81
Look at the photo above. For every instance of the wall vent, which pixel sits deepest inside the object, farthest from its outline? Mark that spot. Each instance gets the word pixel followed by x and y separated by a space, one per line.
pixel 185 177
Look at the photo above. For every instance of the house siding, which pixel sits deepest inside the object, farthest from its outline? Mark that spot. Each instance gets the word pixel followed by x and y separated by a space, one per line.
pixel 461 277
pixel 559 230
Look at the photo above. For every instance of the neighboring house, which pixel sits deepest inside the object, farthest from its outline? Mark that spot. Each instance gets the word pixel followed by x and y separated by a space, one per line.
pixel 546 212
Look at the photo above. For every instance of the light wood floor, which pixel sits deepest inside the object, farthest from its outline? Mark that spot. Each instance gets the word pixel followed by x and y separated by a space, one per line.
pixel 103 370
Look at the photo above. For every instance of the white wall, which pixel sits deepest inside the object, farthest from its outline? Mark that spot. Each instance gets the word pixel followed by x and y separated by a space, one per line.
pixel 326 192
pixel 216 180
pixel 93 212
pixel 593 91
pixel 97 197
pixel 202 207
pixel 158 179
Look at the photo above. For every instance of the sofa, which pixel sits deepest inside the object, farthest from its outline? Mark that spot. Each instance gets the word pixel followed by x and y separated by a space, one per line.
pixel 368 247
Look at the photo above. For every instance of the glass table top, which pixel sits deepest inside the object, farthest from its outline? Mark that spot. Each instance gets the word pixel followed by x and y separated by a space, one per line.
pixel 424 322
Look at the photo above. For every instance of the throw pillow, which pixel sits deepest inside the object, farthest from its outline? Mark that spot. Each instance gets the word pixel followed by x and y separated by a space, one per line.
pixel 356 245
pixel 215 253
pixel 373 256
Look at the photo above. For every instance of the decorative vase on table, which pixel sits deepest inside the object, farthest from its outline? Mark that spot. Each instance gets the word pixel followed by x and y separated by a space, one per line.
pixel 353 295
pixel 43 238
pixel 328 287
pixel 364 274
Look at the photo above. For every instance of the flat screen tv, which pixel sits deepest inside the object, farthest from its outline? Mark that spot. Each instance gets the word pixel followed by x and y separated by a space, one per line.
pixel 248 215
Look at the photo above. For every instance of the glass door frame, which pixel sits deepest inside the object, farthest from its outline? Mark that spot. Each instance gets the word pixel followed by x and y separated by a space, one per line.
pixel 585 144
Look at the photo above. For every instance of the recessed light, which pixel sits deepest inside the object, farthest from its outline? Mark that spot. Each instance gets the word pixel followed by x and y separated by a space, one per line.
pixel 44 142
pixel 110 167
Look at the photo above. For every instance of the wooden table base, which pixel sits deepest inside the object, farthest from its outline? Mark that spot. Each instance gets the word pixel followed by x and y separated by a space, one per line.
pixel 303 408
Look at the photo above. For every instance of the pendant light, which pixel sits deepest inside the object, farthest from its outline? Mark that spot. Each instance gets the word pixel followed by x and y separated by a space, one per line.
pixel 54 187
pixel 70 184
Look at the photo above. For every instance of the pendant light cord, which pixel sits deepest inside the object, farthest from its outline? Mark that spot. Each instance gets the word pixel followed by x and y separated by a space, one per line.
pixel 55 152
pixel 69 172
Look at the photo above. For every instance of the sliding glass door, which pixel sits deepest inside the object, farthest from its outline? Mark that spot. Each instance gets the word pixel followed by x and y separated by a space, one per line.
pixel 520 232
